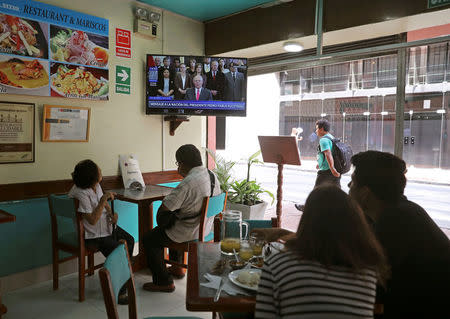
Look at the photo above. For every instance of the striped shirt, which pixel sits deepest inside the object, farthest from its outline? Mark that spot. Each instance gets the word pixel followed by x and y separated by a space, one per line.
pixel 292 288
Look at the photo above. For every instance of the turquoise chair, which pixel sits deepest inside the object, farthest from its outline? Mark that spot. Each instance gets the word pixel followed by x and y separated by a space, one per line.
pixel 68 236
pixel 212 206
pixel 115 273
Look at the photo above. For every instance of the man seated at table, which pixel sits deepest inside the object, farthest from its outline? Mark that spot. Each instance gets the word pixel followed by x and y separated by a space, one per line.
pixel 187 199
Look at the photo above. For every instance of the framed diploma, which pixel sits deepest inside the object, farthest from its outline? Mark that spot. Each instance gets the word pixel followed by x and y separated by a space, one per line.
pixel 65 124
pixel 16 132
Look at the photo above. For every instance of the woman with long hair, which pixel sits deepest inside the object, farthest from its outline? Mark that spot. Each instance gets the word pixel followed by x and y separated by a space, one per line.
pixel 198 71
pixel 191 69
pixel 330 268
pixel 222 67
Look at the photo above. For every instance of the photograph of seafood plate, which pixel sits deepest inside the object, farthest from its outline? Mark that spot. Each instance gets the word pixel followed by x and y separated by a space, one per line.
pixel 23 37
pixel 78 47
pixel 78 82
pixel 24 76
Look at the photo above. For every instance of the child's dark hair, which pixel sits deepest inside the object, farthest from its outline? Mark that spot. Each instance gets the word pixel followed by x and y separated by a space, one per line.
pixel 85 174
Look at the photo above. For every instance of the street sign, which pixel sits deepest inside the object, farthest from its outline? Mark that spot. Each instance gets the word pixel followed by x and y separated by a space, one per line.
pixel 123 77
pixel 437 3
pixel 123 43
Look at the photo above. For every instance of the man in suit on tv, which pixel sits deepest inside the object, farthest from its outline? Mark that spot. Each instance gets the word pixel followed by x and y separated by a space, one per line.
pixel 198 93
pixel 215 81
pixel 234 85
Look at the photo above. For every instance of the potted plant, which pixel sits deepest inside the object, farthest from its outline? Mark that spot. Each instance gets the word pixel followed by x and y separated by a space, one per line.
pixel 243 195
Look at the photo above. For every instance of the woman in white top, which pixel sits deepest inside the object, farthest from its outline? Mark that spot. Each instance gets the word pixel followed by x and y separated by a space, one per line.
pixel 329 269
pixel 100 223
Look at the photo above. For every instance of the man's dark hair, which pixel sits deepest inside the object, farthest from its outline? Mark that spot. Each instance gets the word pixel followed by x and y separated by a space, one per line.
pixel 85 174
pixel 176 59
pixel 334 232
pixel 323 124
pixel 383 173
pixel 189 155
pixel 166 59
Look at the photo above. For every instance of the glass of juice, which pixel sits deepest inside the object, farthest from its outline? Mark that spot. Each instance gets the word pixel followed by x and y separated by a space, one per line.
pixel 245 252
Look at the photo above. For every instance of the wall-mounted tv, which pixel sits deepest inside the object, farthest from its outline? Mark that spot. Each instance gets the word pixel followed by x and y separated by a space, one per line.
pixel 196 85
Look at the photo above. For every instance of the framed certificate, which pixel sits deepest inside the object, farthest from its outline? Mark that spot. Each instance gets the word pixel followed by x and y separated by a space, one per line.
pixel 16 132
pixel 65 124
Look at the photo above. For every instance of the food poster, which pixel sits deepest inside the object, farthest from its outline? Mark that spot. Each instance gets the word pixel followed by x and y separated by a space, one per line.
pixel 50 51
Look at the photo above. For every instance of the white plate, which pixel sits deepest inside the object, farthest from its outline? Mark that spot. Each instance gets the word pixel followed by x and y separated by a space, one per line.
pixel 234 274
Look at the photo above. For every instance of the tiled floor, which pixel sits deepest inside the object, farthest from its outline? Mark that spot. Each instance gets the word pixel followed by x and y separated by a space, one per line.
pixel 40 301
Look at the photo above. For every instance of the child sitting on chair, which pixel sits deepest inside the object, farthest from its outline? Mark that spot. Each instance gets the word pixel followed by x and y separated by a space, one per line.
pixel 100 223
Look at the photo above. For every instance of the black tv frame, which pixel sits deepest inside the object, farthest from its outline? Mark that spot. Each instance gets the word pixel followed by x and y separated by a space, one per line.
pixel 188 111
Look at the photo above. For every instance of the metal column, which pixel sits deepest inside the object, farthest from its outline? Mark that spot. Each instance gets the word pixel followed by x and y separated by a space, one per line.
pixel 400 101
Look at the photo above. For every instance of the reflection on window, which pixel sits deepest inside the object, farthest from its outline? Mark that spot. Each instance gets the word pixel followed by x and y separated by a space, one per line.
pixel 358 98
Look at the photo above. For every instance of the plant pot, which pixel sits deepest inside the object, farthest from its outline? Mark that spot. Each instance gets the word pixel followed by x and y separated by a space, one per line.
pixel 249 212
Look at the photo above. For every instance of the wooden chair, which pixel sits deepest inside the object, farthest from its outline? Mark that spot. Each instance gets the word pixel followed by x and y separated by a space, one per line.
pixel 253 223
pixel 116 272
pixel 212 206
pixel 68 236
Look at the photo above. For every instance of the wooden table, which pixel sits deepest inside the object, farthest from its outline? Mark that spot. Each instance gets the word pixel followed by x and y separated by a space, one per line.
pixel 5 218
pixel 202 257
pixel 144 200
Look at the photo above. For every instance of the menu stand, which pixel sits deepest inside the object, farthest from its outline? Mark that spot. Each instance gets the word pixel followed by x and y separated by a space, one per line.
pixel 280 150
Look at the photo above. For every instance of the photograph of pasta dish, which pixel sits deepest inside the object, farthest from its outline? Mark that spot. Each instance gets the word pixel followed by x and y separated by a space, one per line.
pixel 78 82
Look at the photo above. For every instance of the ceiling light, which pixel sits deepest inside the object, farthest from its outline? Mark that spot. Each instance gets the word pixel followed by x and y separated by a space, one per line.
pixel 291 46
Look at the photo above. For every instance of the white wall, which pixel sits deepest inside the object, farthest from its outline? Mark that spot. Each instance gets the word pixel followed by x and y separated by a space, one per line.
pixel 119 125
pixel 263 93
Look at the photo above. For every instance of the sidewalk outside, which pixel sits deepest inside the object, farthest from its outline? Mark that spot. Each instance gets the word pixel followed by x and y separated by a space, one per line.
pixel 414 174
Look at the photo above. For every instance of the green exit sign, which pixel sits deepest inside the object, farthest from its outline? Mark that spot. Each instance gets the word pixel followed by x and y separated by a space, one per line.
pixel 437 3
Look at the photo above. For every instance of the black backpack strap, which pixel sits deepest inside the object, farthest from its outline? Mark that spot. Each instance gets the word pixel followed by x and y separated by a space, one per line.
pixel 327 137
pixel 213 182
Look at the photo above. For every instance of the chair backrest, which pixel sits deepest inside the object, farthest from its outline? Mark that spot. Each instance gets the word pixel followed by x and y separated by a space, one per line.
pixel 115 273
pixel 253 223
pixel 65 222
pixel 212 206
pixel 216 205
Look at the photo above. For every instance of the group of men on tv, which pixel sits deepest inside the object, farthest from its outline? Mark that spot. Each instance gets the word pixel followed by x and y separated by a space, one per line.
pixel 212 79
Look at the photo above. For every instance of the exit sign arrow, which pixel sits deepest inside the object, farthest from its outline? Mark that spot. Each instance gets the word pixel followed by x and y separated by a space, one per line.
pixel 123 79
pixel 123 75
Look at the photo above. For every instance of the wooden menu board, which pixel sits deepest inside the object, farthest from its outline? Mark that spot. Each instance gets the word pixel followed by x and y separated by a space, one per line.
pixel 65 123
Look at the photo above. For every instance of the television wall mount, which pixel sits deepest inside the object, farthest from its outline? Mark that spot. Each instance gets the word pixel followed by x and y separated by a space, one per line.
pixel 175 121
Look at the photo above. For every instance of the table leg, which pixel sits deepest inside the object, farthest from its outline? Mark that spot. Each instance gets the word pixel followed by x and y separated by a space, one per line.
pixel 145 222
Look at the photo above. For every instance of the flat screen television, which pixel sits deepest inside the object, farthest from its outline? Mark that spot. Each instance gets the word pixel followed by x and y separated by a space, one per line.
pixel 196 85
